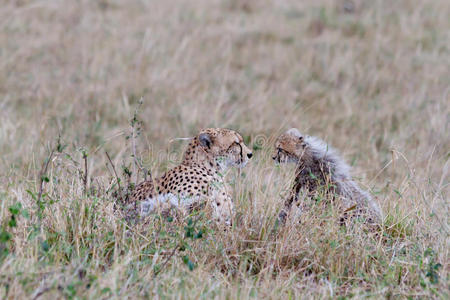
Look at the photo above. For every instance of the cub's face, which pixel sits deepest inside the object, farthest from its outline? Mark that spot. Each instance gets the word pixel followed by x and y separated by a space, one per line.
pixel 225 146
pixel 289 147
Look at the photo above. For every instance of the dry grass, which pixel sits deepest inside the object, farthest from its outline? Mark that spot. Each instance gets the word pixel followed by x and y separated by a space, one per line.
pixel 371 78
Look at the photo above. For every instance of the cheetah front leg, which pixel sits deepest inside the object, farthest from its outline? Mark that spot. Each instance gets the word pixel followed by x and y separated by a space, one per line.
pixel 291 203
pixel 222 205
pixel 294 204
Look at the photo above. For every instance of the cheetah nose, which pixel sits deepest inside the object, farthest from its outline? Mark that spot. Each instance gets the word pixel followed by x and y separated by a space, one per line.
pixel 249 155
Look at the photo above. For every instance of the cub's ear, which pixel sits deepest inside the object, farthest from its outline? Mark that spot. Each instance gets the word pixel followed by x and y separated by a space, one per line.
pixel 205 140
pixel 295 132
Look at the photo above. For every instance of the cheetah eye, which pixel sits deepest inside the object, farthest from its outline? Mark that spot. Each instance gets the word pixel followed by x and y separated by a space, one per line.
pixel 282 151
pixel 231 148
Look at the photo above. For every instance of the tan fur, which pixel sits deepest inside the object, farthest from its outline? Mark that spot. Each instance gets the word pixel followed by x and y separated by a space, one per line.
pixel 201 173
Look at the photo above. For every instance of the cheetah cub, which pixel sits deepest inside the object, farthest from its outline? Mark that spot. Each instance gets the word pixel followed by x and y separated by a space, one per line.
pixel 199 178
pixel 319 166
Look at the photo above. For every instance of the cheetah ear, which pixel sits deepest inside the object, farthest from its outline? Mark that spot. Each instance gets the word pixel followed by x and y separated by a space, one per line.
pixel 205 140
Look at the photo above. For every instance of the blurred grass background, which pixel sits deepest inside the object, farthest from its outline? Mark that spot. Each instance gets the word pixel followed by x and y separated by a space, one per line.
pixel 371 78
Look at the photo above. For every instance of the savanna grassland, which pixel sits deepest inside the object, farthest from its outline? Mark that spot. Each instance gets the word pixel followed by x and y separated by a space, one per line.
pixel 372 78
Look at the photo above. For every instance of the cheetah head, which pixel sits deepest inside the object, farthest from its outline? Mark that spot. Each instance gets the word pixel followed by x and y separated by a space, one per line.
pixel 224 148
pixel 289 147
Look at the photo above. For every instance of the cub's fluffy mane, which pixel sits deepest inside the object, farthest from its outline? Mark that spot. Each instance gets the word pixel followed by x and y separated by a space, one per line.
pixel 340 173
pixel 330 156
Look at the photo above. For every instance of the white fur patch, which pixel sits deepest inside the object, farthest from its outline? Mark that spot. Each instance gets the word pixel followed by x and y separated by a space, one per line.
pixel 226 163
pixel 242 164
pixel 151 204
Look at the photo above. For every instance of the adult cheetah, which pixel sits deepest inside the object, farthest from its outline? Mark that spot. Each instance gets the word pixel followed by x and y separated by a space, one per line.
pixel 319 166
pixel 199 178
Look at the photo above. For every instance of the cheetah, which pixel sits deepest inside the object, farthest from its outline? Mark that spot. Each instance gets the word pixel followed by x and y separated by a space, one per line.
pixel 320 166
pixel 199 179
